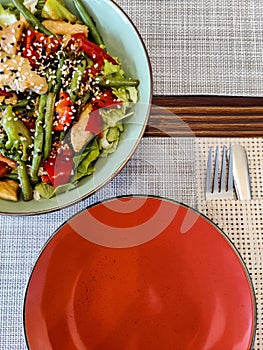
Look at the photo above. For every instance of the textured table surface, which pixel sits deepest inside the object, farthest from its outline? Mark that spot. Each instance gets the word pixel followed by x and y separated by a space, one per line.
pixel 168 167
pixel 202 47
pixel 156 168
pixel 206 47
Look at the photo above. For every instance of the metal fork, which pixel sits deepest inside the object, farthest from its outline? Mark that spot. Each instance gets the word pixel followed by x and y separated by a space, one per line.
pixel 219 185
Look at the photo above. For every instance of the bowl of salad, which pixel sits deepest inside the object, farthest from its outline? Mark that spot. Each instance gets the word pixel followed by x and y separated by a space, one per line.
pixel 75 96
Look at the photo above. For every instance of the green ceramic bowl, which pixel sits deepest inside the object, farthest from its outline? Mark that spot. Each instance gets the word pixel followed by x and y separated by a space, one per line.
pixel 122 40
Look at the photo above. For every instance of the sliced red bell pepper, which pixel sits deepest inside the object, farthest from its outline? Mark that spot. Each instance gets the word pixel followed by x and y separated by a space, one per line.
pixel 46 179
pixel 105 99
pixel 93 51
pixel 63 112
pixel 59 166
pixel 5 93
pixel 30 122
pixel 95 123
pixel 4 169
pixel 39 46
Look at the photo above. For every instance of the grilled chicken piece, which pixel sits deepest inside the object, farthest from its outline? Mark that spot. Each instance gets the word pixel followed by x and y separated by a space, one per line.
pixel 10 162
pixel 79 136
pixel 12 99
pixel 11 36
pixel 16 72
pixel 4 169
pixel 9 190
pixel 64 28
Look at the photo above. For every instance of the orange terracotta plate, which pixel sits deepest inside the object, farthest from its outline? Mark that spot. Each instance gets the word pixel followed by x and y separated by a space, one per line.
pixel 137 273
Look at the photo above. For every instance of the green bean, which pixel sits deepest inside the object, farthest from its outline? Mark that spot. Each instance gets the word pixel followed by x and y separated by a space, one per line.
pixel 85 98
pixel 30 17
pixel 25 184
pixel 19 139
pixel 114 82
pixel 76 80
pixel 49 114
pixel 38 139
pixel 39 7
pixel 20 104
pixel 59 75
pixel 11 176
pixel 50 79
pixel 7 153
pixel 88 21
pixel 2 107
pixel 62 135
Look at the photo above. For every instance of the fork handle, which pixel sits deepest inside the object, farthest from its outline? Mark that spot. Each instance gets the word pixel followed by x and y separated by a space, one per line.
pixel 241 173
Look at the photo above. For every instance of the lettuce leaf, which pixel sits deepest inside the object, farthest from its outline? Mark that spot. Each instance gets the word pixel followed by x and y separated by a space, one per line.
pixel 133 94
pixel 112 70
pixel 47 191
pixel 129 96
pixel 84 162
pixel 39 7
pixel 112 117
pixel 110 139
pixel 7 16
pixel 56 9
pixel 31 4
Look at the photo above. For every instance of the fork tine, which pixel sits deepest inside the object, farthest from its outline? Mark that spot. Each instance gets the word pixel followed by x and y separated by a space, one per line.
pixel 209 172
pixel 223 170
pixel 216 189
pixel 219 174
pixel 230 183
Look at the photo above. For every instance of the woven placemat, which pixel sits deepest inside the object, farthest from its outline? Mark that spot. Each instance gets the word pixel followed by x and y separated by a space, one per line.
pixel 202 47
pixel 242 221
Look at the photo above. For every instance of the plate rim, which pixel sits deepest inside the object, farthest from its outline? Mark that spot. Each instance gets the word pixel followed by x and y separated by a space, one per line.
pixel 172 201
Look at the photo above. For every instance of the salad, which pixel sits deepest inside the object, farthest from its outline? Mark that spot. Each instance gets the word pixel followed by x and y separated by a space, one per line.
pixel 63 98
